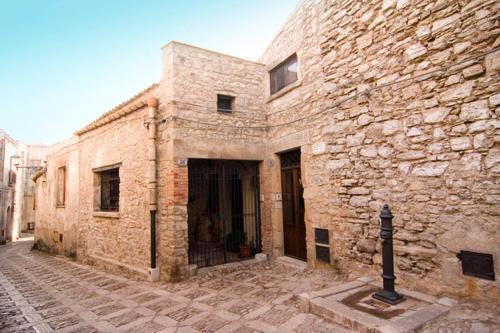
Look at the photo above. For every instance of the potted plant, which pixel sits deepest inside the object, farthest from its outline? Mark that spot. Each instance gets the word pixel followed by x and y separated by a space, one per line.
pixel 245 249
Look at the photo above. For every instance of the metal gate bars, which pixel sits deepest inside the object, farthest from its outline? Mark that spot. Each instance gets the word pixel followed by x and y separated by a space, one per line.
pixel 223 211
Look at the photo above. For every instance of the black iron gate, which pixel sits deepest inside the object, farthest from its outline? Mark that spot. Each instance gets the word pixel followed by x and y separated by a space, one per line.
pixel 223 211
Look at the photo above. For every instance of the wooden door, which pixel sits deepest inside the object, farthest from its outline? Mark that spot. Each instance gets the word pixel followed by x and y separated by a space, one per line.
pixel 293 206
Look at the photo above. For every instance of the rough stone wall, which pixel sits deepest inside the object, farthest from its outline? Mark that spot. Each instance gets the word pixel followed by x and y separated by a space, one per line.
pixel 118 241
pixel 407 115
pixel 53 220
pixel 396 102
pixel 191 127
pixel 292 106
pixel 195 77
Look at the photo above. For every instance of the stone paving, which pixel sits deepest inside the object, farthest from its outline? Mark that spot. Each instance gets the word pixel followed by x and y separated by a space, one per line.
pixel 43 293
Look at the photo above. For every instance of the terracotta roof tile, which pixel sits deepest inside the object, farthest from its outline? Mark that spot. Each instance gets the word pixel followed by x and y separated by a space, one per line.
pixel 124 108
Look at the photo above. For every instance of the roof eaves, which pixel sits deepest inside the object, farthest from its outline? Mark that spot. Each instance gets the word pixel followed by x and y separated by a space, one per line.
pixel 118 111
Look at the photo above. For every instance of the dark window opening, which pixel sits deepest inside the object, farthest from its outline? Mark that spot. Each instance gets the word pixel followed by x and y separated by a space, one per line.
pixel 12 177
pixel 283 74
pixel 321 236
pixel 225 103
pixel 110 190
pixel 61 186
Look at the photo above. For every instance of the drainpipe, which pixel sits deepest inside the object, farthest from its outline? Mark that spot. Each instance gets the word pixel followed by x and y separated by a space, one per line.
pixel 154 273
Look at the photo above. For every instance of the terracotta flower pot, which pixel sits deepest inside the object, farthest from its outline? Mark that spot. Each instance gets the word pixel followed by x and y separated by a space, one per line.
pixel 245 251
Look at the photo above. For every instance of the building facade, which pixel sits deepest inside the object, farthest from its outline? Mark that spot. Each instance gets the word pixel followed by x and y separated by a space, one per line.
pixel 350 107
pixel 18 163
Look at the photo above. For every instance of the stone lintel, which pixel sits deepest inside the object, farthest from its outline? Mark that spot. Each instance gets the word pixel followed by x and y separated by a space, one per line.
pixel 218 149
pixel 288 142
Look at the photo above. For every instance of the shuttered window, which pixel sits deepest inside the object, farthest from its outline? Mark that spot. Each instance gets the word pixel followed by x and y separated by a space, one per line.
pixel 61 186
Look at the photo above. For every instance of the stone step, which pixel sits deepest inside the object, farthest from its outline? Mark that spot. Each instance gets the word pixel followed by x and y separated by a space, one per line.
pixel 409 316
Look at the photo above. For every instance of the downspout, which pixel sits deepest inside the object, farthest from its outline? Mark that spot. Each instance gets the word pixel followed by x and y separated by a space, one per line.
pixel 154 273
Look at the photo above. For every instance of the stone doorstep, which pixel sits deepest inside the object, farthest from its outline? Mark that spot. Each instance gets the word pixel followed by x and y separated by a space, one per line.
pixel 326 303
pixel 289 261
pixel 259 257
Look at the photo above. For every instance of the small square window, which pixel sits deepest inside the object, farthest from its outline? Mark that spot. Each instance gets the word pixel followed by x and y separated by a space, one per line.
pixel 225 103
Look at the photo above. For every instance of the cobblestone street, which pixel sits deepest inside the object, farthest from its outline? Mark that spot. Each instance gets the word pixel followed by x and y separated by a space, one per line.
pixel 43 293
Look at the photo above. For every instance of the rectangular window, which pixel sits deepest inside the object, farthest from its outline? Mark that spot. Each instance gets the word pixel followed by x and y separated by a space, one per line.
pixel 283 74
pixel 110 190
pixel 61 186
pixel 225 103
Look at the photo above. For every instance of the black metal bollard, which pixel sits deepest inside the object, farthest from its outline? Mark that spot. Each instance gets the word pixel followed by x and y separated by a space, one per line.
pixel 388 294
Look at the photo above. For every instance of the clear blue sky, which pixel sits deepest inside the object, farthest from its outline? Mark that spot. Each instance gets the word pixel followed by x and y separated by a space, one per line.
pixel 64 62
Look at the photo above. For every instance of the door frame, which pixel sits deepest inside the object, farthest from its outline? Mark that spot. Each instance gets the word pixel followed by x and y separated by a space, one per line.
pixel 295 245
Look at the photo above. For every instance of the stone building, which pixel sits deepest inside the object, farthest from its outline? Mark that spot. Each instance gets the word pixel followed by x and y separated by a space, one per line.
pixel 57 194
pixel 351 106
pixel 18 162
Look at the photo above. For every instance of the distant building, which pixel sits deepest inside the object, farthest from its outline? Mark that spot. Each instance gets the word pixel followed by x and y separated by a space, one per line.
pixel 352 105
pixel 18 163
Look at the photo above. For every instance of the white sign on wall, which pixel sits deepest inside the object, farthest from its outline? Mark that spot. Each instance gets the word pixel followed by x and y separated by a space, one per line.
pixel 318 148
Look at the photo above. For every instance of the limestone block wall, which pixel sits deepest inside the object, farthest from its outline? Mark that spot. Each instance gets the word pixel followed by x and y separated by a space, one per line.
pixel 189 126
pixel 193 77
pixel 118 241
pixel 407 115
pixel 53 221
pixel 289 115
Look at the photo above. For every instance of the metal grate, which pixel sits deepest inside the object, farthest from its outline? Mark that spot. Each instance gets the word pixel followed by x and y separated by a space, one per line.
pixel 321 236
pixel 477 264
pixel 323 253
pixel 223 211
pixel 225 103
pixel 110 190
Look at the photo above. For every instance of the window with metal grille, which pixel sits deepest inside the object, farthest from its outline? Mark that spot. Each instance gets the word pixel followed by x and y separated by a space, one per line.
pixel 225 103
pixel 283 74
pixel 110 190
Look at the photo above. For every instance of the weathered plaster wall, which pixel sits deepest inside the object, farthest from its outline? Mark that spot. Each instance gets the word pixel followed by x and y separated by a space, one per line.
pixel 53 220
pixel 407 114
pixel 7 190
pixel 118 241
pixel 19 159
pixel 33 161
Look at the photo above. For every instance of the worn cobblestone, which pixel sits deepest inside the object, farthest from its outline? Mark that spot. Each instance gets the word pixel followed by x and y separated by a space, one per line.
pixel 44 293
